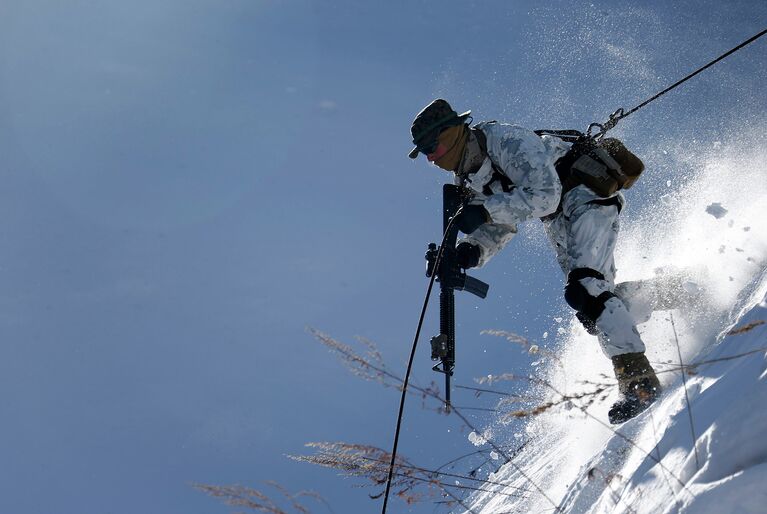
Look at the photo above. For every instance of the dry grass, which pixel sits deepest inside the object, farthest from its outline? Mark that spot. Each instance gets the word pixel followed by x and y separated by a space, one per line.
pixel 254 500
pixel 745 328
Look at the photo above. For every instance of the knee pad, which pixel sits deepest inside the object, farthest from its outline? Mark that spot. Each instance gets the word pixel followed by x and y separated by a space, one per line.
pixel 578 297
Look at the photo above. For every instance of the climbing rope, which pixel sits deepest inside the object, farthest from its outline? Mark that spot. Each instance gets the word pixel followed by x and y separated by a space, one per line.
pixel 412 356
pixel 620 114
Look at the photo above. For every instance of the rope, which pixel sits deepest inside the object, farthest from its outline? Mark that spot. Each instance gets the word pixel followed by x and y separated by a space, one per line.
pixel 620 114
pixel 686 394
pixel 691 75
pixel 412 356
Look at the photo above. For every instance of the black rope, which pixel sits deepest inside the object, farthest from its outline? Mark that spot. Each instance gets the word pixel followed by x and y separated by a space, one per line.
pixel 412 356
pixel 691 75
pixel 620 114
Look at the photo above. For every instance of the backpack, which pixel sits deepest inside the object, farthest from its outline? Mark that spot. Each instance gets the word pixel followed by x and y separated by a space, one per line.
pixel 604 166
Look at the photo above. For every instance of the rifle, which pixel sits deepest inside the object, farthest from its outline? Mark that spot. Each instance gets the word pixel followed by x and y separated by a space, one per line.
pixel 451 278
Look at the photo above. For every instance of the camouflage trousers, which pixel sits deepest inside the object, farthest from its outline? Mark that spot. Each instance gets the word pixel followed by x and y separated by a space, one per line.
pixel 584 234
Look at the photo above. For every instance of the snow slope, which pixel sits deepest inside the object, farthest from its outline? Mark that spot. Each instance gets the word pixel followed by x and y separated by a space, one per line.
pixel 660 461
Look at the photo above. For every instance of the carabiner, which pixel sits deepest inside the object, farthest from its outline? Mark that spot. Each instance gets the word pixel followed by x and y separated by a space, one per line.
pixel 614 119
pixel 598 135
pixel 603 128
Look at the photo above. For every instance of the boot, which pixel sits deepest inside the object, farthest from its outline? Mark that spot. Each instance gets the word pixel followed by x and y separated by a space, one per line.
pixel 637 384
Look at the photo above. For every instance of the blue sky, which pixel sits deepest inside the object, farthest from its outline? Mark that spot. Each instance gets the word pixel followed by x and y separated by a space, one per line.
pixel 188 186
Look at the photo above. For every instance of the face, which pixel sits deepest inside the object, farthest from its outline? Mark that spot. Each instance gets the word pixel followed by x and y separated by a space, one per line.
pixel 437 153
pixel 441 154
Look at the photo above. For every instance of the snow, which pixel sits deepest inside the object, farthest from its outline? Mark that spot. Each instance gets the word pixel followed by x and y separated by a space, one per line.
pixel 661 462
pixel 716 210
pixel 476 439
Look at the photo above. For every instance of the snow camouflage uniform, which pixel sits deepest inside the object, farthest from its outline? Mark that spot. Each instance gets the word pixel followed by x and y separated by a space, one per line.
pixel 513 175
pixel 583 232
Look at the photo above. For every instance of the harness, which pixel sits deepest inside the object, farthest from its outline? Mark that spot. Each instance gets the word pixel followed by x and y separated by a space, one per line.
pixel 585 152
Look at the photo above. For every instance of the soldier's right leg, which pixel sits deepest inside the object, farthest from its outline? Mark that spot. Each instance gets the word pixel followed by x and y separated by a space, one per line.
pixel 592 230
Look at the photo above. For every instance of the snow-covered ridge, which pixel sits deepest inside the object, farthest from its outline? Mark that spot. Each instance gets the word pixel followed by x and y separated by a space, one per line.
pixel 660 461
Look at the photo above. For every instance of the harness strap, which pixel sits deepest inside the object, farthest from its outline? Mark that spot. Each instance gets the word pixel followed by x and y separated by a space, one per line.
pixel 613 200
pixel 569 136
pixel 498 174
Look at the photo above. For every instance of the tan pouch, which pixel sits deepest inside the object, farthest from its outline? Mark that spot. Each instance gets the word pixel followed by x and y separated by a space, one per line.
pixel 631 165
pixel 608 168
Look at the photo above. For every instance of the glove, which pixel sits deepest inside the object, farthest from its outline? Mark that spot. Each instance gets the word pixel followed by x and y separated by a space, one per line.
pixel 471 218
pixel 467 255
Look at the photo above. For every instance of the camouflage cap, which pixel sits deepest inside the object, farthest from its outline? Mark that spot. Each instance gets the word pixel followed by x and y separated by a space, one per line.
pixel 430 121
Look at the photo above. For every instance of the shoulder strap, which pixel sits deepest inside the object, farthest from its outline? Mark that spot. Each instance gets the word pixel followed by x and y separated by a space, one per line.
pixel 569 136
pixel 498 174
pixel 481 139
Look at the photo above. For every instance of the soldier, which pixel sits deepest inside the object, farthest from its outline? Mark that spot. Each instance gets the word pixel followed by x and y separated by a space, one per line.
pixel 516 175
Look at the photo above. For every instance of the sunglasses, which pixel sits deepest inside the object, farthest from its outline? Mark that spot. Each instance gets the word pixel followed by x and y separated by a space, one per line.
pixel 429 148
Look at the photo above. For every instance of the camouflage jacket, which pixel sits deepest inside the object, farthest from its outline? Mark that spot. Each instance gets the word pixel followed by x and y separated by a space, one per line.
pixel 528 160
